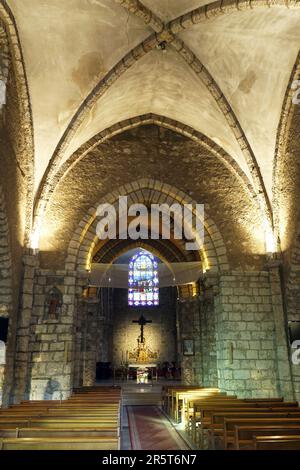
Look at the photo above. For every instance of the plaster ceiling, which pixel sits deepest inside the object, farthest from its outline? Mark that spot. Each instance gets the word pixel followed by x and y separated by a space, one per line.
pixel 70 45
pixel 162 84
pixel 169 9
pixel 251 56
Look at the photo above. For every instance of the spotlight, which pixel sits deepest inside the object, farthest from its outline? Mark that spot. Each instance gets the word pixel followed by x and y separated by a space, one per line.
pixel 162 46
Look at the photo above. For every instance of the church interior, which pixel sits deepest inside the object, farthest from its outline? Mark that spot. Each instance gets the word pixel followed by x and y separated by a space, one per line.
pixel 143 343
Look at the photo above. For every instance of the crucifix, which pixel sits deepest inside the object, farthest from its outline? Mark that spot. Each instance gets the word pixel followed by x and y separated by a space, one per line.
pixel 142 322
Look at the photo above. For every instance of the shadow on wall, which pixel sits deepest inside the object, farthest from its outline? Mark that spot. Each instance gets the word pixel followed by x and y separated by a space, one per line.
pixel 52 390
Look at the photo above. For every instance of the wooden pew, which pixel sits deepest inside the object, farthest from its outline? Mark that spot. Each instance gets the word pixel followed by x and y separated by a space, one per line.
pixel 167 394
pixel 276 443
pixel 194 404
pixel 111 431
pixel 244 435
pixel 89 420
pixel 205 409
pixel 272 419
pixel 62 443
pixel 178 398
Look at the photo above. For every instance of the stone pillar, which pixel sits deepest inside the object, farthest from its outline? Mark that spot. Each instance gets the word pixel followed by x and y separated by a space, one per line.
pixel 22 354
pixel 284 373
pixel 245 335
pixel 189 327
pixel 52 338
pixel 90 344
pixel 208 352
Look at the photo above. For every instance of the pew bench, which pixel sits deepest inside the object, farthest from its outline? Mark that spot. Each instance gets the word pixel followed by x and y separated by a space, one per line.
pixel 62 443
pixel 276 443
pixel 229 425
pixel 33 432
pixel 244 435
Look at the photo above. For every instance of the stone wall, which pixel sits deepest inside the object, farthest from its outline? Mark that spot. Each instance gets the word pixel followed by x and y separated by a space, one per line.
pixel 247 339
pixel 52 340
pixel 292 299
pixel 208 346
pixel 93 335
pixel 160 334
pixel 236 322
pixel 45 345
pixel 202 176
pixel 188 314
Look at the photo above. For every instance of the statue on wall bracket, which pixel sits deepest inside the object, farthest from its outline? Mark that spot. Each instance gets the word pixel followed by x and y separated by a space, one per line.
pixel 53 304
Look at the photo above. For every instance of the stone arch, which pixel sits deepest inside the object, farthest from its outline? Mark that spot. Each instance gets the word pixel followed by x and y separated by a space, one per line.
pixel 147 119
pixel 112 251
pixel 83 243
pixel 21 133
pixel 218 8
pixel 284 128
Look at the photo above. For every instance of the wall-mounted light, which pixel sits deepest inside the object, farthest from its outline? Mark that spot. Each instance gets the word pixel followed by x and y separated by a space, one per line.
pixel 34 239
pixel 270 242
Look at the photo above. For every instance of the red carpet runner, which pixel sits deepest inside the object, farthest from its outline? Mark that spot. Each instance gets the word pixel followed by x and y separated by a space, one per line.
pixel 150 430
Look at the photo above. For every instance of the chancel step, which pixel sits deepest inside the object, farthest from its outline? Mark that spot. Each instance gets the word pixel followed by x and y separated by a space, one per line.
pixel 143 396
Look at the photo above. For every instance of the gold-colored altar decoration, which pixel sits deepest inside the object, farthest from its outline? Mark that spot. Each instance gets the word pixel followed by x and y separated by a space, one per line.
pixel 142 354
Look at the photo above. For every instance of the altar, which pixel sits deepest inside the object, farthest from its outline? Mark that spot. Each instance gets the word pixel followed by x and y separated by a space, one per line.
pixel 141 358
pixel 142 371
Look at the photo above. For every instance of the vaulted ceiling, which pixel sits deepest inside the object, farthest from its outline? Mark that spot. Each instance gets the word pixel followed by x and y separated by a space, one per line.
pixel 223 69
pixel 69 46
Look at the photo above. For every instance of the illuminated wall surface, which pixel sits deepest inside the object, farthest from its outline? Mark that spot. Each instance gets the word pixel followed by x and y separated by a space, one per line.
pixel 160 334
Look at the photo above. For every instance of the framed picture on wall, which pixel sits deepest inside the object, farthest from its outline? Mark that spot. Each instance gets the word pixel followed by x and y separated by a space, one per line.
pixel 188 347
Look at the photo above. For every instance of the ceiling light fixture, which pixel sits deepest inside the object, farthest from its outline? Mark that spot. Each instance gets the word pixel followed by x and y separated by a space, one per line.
pixel 162 46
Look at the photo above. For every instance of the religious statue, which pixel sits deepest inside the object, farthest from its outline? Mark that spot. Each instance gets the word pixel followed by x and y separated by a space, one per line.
pixel 53 304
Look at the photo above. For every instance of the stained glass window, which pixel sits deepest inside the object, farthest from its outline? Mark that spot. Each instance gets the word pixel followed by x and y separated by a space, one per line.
pixel 143 280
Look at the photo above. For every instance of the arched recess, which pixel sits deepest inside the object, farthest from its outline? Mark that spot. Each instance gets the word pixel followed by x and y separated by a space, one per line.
pixel 84 248
pixel 83 245
pixel 205 145
pixel 6 300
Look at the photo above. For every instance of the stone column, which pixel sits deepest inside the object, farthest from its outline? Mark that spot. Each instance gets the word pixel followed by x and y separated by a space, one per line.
pixel 90 344
pixel 22 355
pixel 190 329
pixel 245 335
pixel 284 373
pixel 208 354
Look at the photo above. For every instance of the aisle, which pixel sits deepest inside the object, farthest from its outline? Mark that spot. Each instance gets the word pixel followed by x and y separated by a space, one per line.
pixel 149 429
